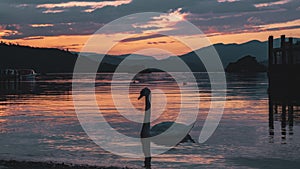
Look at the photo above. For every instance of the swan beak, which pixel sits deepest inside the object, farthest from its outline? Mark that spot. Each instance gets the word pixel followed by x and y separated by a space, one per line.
pixel 140 97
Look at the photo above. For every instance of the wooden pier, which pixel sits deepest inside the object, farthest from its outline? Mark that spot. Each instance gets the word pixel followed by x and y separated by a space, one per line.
pixel 284 83
pixel 284 71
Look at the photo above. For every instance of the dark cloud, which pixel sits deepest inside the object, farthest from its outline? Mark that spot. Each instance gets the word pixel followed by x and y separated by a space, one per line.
pixel 283 28
pixel 159 42
pixel 76 44
pixel 33 38
pixel 142 38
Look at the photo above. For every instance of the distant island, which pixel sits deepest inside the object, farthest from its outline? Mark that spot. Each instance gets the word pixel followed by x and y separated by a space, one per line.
pixel 247 64
pixel 50 60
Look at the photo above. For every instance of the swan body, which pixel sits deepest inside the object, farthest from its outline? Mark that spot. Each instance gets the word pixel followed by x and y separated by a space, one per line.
pixel 170 133
pixel 167 132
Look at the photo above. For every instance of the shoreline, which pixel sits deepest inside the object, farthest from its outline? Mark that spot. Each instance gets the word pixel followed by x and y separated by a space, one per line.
pixel 13 164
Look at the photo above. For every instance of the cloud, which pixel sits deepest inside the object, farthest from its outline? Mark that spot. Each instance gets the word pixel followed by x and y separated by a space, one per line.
pixel 53 11
pixel 48 29
pixel 9 30
pixel 164 20
pixel 159 42
pixel 268 4
pixel 22 5
pixel 222 1
pixel 33 38
pixel 90 6
pixel 290 24
pixel 41 25
pixel 8 33
pixel 283 28
pixel 13 27
pixel 165 23
pixel 211 16
pixel 254 20
pixel 142 38
pixel 69 46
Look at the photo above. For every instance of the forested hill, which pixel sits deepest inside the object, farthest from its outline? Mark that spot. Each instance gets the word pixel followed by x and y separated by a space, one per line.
pixel 42 60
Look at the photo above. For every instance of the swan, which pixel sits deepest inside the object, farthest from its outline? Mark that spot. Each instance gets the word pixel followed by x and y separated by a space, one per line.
pixel 169 135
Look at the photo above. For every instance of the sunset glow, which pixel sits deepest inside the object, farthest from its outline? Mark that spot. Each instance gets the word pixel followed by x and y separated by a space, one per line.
pixel 76 42
pixel 72 33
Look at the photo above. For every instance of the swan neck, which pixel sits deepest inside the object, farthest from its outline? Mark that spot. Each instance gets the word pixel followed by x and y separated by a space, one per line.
pixel 148 103
pixel 145 133
pixel 147 109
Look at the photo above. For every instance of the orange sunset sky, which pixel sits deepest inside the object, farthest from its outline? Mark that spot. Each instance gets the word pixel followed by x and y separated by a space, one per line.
pixel 69 24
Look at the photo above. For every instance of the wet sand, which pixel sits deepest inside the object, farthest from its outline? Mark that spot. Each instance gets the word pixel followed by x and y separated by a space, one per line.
pixel 11 164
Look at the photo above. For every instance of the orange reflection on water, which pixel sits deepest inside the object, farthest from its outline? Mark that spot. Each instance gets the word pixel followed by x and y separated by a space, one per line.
pixel 166 103
pixel 243 108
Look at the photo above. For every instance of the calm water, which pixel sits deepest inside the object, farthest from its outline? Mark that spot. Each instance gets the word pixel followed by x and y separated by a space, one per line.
pixel 38 123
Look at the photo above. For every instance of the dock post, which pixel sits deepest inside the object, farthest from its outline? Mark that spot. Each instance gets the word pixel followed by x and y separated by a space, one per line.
pixel 291 119
pixel 290 52
pixel 291 41
pixel 283 124
pixel 270 50
pixel 270 61
pixel 283 49
pixel 271 120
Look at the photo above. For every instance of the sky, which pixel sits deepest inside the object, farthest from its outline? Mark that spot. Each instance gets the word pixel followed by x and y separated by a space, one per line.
pixel 68 24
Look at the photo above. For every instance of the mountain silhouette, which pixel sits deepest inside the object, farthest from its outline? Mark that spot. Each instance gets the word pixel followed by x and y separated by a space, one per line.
pixel 50 60
pixel 42 60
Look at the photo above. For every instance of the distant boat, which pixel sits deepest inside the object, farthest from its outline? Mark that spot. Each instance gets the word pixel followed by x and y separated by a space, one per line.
pixel 26 74
pixel 17 74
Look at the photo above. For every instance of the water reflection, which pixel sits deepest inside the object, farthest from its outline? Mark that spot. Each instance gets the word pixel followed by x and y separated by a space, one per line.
pixel 16 87
pixel 44 85
pixel 284 111
pixel 38 122
pixel 242 86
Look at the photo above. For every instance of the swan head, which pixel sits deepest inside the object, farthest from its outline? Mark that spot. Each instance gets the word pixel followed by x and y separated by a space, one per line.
pixel 144 92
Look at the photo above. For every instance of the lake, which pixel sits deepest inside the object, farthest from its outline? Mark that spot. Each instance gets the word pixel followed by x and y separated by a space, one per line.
pixel 38 123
